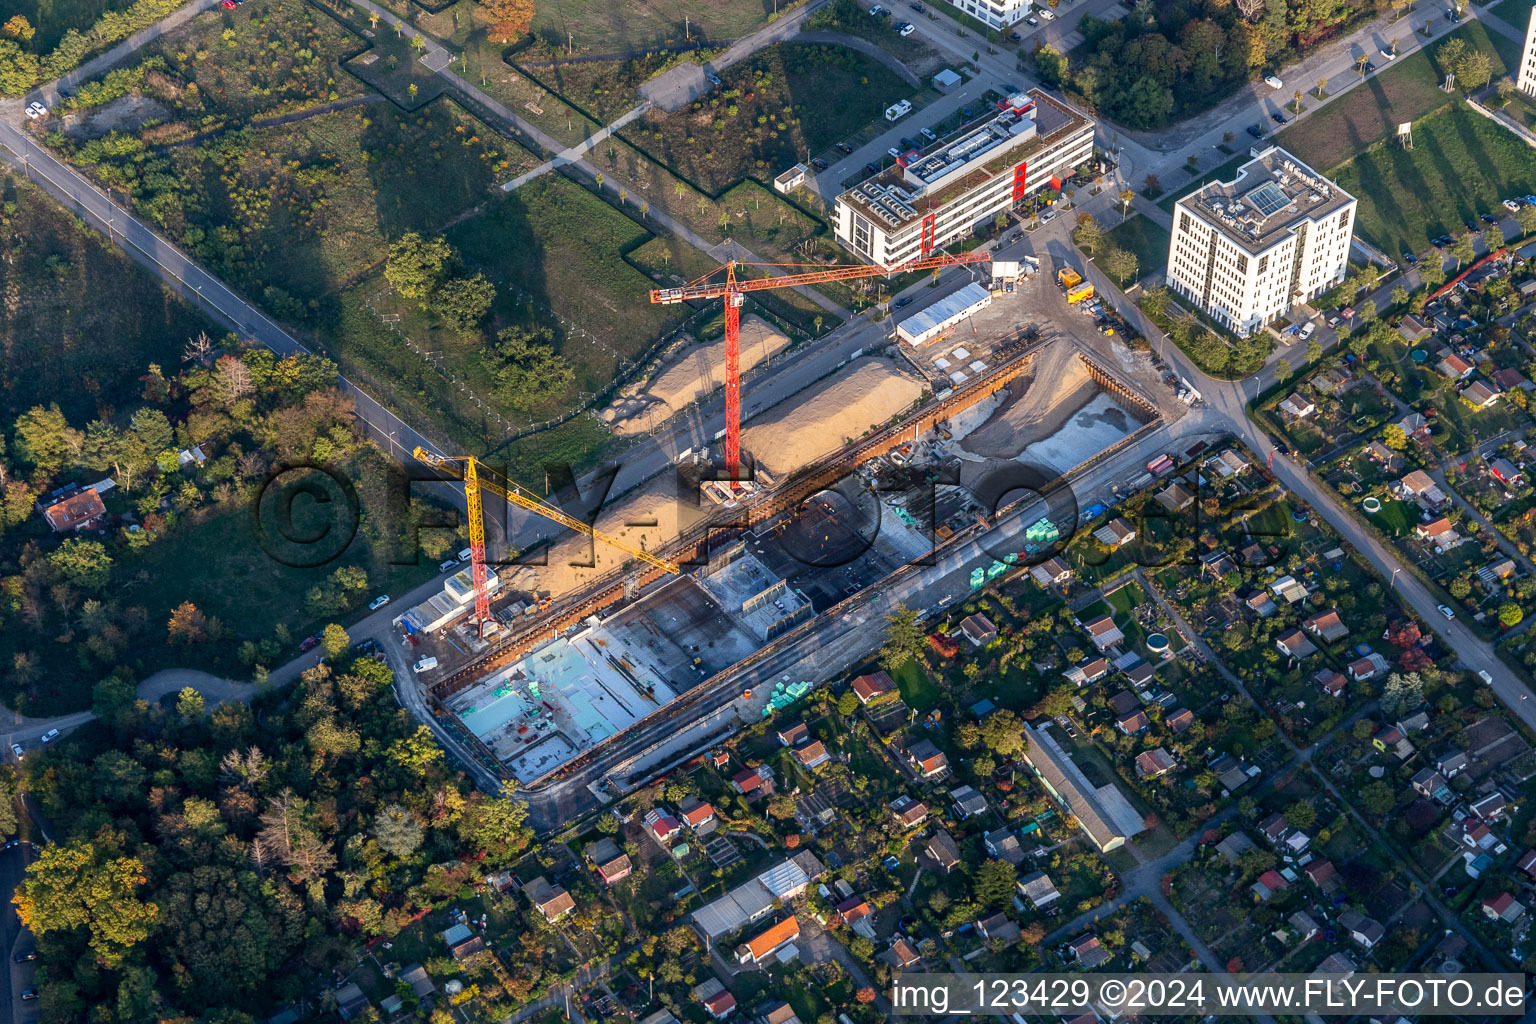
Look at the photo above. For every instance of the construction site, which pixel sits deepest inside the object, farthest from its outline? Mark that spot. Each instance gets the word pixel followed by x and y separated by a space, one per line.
pixel 869 471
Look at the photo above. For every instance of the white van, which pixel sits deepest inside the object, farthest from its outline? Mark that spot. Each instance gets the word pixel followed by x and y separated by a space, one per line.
pixel 466 554
pixel 426 664
pixel 898 110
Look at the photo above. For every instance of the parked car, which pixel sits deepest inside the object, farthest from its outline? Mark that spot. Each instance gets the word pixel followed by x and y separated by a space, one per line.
pixel 876 11
pixel 31 993
pixel 36 110
pixel 16 749
pixel 26 956
pixel 917 7
pixel 1488 218
pixel 1409 258
pixel 1442 241
pixel 1273 82
pixel 1387 54
pixel 1031 19
pixel 310 643
pixel 872 168
pixel 1369 67
pixel 1307 330
pixel 903 301
pixel 895 153
pixel 1015 37
pixel 907 29
pixel 714 78
pixel 1278 117
pixel 1335 320
pixel 227 3
pixel 1046 14
pixel 1047 216
pixel 448 566
pixel 51 735
pixel 1512 205
pixel 844 148
pixel 908 144
pixel 378 602
pixel 928 134
pixel 1256 130
pixel 1446 611
pixel 819 164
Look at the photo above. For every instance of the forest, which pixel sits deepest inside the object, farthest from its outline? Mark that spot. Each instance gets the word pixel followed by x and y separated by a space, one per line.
pixel 1164 62
pixel 215 863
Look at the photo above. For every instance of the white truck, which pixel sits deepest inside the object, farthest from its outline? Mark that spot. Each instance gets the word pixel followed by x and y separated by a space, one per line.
pixel 426 664
pixel 898 110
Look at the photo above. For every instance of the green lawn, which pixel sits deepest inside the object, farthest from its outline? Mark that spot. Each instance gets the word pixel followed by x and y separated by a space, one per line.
pixel 1462 165
pixel 1407 90
pixel 614 26
pixel 1516 12
pixel 1146 239
pixel 917 690
pixel 790 100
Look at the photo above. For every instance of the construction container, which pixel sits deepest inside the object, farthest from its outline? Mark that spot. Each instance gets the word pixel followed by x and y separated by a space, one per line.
pixel 1068 278
pixel 1079 293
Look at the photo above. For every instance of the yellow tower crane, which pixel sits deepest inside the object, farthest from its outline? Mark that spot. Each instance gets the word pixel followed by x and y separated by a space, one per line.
pixel 476 475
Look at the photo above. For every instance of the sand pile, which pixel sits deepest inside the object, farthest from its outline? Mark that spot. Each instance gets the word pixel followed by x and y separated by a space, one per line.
pixel 1037 406
pixel 648 520
pixel 862 394
pixel 697 372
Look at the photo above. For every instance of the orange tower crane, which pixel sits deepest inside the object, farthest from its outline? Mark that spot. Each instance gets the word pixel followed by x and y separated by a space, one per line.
pixel 733 290
pixel 477 475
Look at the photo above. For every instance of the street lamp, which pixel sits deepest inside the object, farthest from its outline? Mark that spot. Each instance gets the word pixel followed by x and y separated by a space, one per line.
pixel 1393 581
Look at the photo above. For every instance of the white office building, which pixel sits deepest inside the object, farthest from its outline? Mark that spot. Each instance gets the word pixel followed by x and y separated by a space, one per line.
pixel 1244 251
pixel 938 194
pixel 1525 75
pixel 997 13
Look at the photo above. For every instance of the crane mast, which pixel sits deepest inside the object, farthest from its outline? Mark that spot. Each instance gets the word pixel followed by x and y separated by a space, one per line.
pixel 733 289
pixel 477 476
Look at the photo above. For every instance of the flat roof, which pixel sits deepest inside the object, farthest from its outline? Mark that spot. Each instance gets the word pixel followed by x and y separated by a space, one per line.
pixel 961 162
pixel 1270 195
pixel 931 318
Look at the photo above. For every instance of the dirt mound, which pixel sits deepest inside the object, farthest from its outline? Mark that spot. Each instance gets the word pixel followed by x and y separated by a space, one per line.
pixel 1038 405
pixel 694 374
pixel 648 520
pixel 862 394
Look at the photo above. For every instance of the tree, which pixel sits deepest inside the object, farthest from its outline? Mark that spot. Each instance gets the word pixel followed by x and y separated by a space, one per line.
pixel 1510 614
pixel 397 831
pixel 1003 734
pixel 848 704
pixel 1399 296
pixel 88 884
pixel 509 18
pixel 18 28
pixel 904 638
pixel 1475 71
pixel 19 70
pixel 1121 264
pixel 499 825
pixel 44 437
pixel 995 881
pixel 1088 234
pixel 1301 814
pixel 1526 216
pixel 187 624
pixel 334 641
pixel 1314 350
pixel 82 563
pixel 464 301
pixel 1367 311
pixel 1401 693
pixel 1493 237
pixel 1463 250
pixel 1126 198
pixel 530 373
pixel 416 266
pixel 190 705
pixel 418 754
pixel 1376 798
pixel 1394 437
pixel 1432 272
pixel 153 430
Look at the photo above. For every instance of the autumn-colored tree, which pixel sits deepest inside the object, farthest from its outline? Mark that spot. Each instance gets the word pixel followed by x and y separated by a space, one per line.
pixel 865 995
pixel 509 18
pixel 86 884
pixel 187 624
